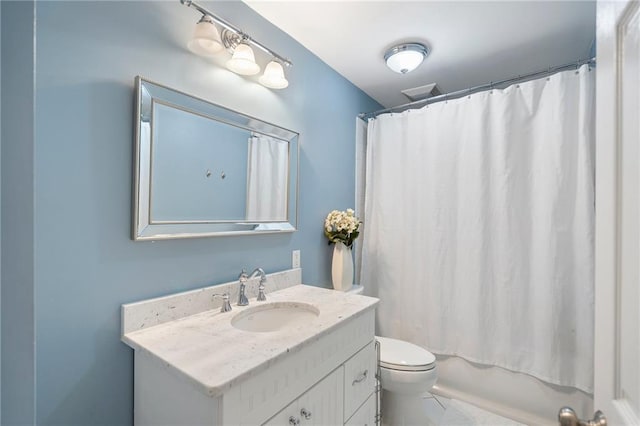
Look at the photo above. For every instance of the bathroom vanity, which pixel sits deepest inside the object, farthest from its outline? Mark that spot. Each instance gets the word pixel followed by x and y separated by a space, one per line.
pixel 305 356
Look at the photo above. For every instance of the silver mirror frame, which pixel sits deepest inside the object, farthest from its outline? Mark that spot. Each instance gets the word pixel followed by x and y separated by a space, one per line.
pixel 143 228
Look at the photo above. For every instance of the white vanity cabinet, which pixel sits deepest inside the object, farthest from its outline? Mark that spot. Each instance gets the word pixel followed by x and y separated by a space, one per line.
pixel 200 370
pixel 331 377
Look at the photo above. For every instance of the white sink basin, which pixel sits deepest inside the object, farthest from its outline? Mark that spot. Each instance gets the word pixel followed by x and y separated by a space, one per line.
pixel 274 316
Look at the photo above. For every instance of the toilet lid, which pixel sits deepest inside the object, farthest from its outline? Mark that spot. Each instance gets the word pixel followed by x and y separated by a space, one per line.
pixel 404 356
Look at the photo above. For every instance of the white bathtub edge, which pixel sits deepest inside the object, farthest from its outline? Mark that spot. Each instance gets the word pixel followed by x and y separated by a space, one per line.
pixel 499 409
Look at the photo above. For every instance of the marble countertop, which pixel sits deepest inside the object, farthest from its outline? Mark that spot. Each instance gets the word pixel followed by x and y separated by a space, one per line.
pixel 214 355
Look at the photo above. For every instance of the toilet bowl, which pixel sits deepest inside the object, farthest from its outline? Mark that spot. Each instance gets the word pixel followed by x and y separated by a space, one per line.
pixel 407 373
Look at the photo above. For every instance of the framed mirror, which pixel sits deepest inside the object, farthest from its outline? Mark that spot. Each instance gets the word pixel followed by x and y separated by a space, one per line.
pixel 204 170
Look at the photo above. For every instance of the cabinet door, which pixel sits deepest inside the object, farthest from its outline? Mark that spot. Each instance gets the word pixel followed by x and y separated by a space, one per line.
pixel 288 416
pixel 321 405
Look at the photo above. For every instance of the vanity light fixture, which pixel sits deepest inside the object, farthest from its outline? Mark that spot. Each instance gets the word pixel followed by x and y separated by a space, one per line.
pixel 273 76
pixel 206 38
pixel 243 61
pixel 207 41
pixel 406 57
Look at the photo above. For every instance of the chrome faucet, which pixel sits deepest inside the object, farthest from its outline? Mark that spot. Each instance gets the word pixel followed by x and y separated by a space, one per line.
pixel 242 298
pixel 263 281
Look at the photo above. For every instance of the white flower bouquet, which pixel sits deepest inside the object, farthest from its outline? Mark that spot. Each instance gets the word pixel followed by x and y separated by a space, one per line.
pixel 342 227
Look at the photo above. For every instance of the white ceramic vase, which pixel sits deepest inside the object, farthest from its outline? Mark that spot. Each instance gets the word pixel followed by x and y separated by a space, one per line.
pixel 342 267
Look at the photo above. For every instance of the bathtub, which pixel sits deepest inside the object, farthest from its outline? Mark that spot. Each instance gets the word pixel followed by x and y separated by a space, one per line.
pixel 518 396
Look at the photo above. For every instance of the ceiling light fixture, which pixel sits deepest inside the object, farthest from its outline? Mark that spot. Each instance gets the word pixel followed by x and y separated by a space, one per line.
pixel 207 41
pixel 406 57
pixel 206 38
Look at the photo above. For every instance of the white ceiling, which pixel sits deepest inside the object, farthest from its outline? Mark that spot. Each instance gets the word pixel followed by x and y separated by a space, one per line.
pixel 472 42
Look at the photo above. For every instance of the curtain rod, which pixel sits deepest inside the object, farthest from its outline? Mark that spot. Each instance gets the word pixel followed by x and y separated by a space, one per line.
pixel 464 92
pixel 229 26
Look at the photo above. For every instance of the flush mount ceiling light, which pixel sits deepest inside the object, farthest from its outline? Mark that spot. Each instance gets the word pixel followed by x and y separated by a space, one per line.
pixel 206 38
pixel 406 57
pixel 207 41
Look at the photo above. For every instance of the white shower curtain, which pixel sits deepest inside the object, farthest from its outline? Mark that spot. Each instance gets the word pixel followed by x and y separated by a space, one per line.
pixel 480 225
pixel 267 174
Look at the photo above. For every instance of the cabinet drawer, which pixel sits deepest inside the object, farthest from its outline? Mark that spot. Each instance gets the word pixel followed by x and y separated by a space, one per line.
pixel 366 414
pixel 359 379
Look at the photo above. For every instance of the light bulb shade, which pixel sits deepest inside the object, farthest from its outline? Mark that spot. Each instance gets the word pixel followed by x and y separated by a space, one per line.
pixel 243 61
pixel 273 76
pixel 206 38
pixel 405 58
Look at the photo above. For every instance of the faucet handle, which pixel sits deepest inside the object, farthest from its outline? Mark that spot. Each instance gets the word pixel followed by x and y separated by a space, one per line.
pixel 261 296
pixel 242 298
pixel 226 306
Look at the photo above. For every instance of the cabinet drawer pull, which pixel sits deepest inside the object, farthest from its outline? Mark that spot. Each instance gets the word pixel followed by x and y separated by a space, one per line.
pixel 361 377
pixel 306 414
pixel 293 421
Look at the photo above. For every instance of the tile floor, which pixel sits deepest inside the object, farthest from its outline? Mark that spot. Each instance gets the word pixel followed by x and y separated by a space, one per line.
pixel 451 412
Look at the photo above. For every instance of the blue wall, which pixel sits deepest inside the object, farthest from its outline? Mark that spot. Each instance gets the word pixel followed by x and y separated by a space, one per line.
pixel 0 221
pixel 185 147
pixel 84 264
pixel 18 263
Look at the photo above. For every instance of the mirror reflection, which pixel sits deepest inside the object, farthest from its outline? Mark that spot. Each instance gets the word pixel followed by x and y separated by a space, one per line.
pixel 204 170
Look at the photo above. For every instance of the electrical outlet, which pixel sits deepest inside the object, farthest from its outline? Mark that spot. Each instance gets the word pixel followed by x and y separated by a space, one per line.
pixel 295 259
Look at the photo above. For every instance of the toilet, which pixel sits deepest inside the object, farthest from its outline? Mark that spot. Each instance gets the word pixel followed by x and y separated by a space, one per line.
pixel 407 373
